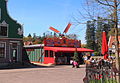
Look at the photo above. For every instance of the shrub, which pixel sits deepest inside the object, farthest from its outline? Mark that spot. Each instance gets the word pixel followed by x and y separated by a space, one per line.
pixel 96 53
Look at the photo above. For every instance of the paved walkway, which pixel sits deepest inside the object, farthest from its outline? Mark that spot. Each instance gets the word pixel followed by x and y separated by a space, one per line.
pixel 57 74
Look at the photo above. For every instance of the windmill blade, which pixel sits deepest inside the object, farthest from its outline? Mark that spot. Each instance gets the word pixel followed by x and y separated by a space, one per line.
pixel 67 28
pixel 55 30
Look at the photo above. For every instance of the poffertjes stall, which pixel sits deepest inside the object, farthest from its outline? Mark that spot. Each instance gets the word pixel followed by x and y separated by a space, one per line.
pixel 61 50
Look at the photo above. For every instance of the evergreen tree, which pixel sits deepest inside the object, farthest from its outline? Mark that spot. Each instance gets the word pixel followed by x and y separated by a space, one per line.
pixel 29 38
pixel 76 57
pixel 99 29
pixel 94 32
pixel 29 35
pixel 102 25
pixel 90 35
pixel 34 36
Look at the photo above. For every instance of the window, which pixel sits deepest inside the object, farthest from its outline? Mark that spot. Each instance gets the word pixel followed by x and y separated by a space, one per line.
pixel 3 30
pixel 51 53
pixel 46 53
pixel 2 50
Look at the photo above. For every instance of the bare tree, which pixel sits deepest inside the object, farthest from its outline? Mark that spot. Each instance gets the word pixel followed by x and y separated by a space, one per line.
pixel 109 9
pixel 91 11
pixel 114 5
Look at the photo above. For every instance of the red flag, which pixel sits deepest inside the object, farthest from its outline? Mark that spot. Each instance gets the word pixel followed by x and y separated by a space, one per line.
pixel 53 29
pixel 66 29
pixel 104 45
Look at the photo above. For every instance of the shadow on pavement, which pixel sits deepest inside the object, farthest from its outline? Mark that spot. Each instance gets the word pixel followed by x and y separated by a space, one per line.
pixel 25 65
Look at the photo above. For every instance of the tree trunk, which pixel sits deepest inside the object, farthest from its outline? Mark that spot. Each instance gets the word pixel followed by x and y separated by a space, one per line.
pixel 116 38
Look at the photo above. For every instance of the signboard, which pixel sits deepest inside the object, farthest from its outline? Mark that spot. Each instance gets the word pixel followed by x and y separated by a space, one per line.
pixel 62 42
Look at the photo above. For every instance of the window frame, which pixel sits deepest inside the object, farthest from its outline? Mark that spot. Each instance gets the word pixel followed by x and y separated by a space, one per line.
pixel 4 50
pixel 4 25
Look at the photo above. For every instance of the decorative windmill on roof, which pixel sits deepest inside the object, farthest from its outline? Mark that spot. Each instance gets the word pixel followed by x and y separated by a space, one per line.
pixel 64 32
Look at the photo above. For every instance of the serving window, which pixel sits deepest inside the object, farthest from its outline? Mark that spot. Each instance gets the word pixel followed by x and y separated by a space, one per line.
pixel 46 53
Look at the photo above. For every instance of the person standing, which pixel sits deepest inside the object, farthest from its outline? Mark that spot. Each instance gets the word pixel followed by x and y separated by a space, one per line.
pixel 72 62
pixel 75 63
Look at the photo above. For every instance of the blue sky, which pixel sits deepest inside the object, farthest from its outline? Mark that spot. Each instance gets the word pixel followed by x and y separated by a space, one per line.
pixel 38 15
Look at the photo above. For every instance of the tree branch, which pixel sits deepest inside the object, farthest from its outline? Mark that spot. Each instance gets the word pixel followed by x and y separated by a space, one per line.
pixel 104 3
pixel 118 3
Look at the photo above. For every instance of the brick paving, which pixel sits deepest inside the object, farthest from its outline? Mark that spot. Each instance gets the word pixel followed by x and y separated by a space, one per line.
pixel 57 74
